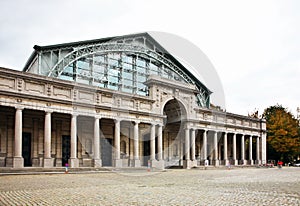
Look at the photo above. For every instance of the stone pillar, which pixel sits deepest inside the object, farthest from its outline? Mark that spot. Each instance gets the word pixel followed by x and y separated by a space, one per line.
pixel 250 151
pixel 97 160
pixel 187 162
pixel 264 148
pixel 117 160
pixel 204 157
pixel 243 149
pixel 160 164
pixel 152 142
pixel 193 144
pixel 159 142
pixel 257 151
pixel 193 147
pixel 18 161
pixel 216 159
pixel 263 142
pixel 73 161
pixel 58 160
pixel 235 162
pixel 48 161
pixel 225 149
pixel 136 158
pixel 35 158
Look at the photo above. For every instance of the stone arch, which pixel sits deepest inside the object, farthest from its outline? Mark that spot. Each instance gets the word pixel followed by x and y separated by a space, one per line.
pixel 180 105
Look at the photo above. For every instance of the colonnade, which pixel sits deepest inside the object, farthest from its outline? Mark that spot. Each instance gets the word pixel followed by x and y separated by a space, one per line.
pixel 190 147
pixel 48 161
pixel 156 157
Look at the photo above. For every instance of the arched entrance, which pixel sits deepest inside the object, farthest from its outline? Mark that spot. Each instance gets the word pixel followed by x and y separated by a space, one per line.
pixel 175 113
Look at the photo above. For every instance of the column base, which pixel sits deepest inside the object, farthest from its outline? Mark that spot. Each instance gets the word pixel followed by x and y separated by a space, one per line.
pixel 135 163
pixel 235 162
pixel 35 162
pixel 194 163
pixel 48 162
pixel 118 163
pixel 258 162
pixel 158 164
pixel 73 162
pixel 97 163
pixel 250 162
pixel 227 163
pixel 18 162
pixel 187 164
pixel 2 161
pixel 58 162
pixel 216 163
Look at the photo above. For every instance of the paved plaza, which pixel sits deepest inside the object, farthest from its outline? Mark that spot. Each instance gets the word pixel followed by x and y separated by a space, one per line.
pixel 252 186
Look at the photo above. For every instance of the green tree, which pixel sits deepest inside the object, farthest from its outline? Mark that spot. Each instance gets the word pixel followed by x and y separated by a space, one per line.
pixel 283 140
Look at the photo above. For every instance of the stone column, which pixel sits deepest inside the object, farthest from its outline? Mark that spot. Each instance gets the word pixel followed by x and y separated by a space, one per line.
pixel 204 157
pixel 117 160
pixel 152 142
pixel 136 158
pixel 193 144
pixel 73 161
pixel 216 159
pixel 18 161
pixel 35 158
pixel 187 162
pixel 250 151
pixel 243 149
pixel 97 160
pixel 257 151
pixel 159 142
pixel 263 148
pixel 225 149
pixel 235 162
pixel 48 161
pixel 193 147
pixel 58 160
pixel 160 164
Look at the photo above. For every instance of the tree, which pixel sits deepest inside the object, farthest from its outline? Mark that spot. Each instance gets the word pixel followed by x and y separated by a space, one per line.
pixel 283 140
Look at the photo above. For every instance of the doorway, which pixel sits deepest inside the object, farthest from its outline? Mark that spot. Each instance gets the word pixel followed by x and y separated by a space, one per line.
pixel 26 148
pixel 146 150
pixel 66 145
pixel 106 151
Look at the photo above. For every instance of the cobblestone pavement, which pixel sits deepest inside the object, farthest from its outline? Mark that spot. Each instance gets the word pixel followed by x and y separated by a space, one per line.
pixel 174 187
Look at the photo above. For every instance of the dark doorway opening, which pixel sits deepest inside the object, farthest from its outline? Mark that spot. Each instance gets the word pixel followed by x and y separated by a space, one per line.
pixel 66 147
pixel 106 151
pixel 26 148
pixel 146 148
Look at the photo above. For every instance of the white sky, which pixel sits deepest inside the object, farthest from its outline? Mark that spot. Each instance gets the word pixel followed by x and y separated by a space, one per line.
pixel 253 45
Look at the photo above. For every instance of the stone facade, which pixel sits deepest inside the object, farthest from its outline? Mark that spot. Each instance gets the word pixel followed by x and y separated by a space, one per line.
pixel 48 122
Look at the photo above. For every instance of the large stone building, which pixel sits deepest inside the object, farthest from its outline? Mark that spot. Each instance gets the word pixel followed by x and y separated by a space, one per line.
pixel 122 102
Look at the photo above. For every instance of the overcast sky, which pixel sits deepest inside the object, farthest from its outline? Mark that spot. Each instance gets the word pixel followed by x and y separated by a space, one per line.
pixel 253 45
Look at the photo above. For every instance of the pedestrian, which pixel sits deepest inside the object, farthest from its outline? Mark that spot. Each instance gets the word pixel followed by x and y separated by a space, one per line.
pixel 205 164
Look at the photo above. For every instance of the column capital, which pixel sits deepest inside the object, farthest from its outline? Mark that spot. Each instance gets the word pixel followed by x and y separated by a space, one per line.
pixel 117 120
pixel 74 114
pixel 98 117
pixel 160 124
pixel 48 111
pixel 19 107
pixel 136 122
